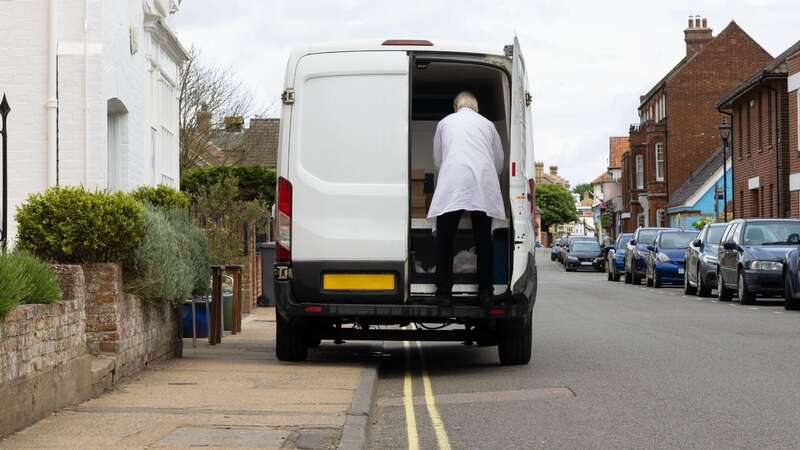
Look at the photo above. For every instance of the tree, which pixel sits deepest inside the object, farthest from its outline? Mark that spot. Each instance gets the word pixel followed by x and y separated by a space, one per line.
pixel 556 204
pixel 583 188
pixel 209 94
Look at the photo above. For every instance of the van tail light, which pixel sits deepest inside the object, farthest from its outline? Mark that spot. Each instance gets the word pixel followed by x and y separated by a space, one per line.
pixel 283 247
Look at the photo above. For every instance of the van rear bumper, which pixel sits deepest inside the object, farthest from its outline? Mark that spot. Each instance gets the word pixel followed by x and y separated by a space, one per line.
pixel 516 304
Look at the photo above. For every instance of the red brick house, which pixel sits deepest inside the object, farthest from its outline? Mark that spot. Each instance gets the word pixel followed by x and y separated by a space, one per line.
pixel 759 115
pixel 678 126
pixel 793 67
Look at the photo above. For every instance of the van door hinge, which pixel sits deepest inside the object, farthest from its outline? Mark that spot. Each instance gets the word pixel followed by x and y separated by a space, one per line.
pixel 282 273
pixel 528 98
pixel 287 97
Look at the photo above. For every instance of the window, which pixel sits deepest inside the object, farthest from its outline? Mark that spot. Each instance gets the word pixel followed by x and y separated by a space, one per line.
pixel 797 95
pixel 640 220
pixel 660 218
pixel 660 161
pixel 740 143
pixel 639 172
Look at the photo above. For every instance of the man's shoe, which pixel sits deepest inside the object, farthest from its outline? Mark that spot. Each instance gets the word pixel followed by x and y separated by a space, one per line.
pixel 485 298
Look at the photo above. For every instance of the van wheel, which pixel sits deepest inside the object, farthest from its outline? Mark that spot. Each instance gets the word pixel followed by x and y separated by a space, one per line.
pixel 745 296
pixel 790 303
pixel 290 339
pixel 514 340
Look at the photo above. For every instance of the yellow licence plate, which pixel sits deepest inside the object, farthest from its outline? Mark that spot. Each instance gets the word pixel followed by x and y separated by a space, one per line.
pixel 358 282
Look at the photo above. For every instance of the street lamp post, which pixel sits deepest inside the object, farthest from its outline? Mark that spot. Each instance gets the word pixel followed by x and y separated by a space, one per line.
pixel 725 134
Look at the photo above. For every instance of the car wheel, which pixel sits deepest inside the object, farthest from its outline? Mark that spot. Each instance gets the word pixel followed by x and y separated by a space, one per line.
pixel 656 281
pixel 703 289
pixel 628 277
pixel 635 277
pixel 723 294
pixel 688 289
pixel 514 341
pixel 745 296
pixel 609 274
pixel 616 277
pixel 790 303
pixel 552 257
pixel 648 280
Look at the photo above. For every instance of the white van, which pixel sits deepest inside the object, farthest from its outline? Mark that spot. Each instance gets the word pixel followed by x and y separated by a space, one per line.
pixel 354 252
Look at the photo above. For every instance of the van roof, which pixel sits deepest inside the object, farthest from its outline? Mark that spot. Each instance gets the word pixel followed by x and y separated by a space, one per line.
pixel 377 45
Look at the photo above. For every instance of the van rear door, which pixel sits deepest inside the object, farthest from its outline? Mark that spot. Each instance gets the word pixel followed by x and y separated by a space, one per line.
pixel 521 162
pixel 348 165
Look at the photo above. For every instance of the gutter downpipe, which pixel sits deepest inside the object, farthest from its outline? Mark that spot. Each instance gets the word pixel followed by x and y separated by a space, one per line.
pixel 52 95
pixel 777 149
pixel 724 165
pixel 86 93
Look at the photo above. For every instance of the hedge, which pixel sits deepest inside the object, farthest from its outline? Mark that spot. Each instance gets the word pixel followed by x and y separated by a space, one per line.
pixel 25 279
pixel 254 182
pixel 73 225
pixel 162 196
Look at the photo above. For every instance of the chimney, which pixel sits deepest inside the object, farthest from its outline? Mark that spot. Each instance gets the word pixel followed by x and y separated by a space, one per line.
pixel 697 35
pixel 203 119
pixel 554 171
pixel 539 169
pixel 234 123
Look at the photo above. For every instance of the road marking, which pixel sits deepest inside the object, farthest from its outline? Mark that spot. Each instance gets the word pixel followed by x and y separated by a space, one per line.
pixel 714 301
pixel 486 397
pixel 753 308
pixel 777 312
pixel 430 401
pixel 408 402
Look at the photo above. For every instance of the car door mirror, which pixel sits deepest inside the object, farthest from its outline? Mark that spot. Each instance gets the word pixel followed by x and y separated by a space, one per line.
pixel 651 248
pixel 632 242
pixel 730 245
pixel 697 243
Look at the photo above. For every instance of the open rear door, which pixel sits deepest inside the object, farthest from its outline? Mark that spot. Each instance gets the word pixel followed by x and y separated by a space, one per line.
pixel 349 169
pixel 521 162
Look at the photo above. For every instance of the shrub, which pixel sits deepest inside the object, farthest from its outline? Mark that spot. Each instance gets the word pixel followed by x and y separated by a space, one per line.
pixel 25 279
pixel 172 262
pixel 252 182
pixel 72 225
pixel 162 196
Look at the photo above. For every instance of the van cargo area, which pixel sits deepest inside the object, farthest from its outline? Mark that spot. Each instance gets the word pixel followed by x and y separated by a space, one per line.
pixel 435 82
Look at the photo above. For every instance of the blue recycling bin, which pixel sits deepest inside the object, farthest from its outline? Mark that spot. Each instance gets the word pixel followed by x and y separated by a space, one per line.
pixel 201 312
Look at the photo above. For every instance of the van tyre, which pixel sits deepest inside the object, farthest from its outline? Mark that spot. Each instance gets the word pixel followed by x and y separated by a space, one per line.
pixel 515 340
pixel 723 293
pixel 745 296
pixel 790 303
pixel 290 339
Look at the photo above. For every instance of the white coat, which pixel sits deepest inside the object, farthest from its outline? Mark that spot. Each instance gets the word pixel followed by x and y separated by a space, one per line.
pixel 468 155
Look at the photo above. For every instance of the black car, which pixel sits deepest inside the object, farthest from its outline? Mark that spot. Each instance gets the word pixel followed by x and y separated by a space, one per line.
pixel 583 253
pixel 701 261
pixel 751 257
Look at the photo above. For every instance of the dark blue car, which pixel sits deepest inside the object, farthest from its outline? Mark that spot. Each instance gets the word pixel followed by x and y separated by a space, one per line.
pixel 667 257
pixel 791 282
pixel 636 253
pixel 615 258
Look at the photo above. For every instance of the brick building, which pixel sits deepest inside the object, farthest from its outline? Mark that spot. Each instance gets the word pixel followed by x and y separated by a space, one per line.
pixel 759 110
pixel 793 67
pixel 678 126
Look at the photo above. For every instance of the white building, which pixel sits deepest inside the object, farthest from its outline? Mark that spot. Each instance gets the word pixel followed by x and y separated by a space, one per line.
pixel 92 86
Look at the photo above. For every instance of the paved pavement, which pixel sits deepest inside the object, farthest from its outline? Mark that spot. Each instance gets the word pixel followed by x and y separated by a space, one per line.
pixel 232 395
pixel 614 366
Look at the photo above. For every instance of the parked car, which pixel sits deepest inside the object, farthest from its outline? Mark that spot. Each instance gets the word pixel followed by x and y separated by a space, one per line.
pixel 791 280
pixel 615 257
pixel 567 242
pixel 666 259
pixel 752 256
pixel 636 253
pixel 554 249
pixel 583 254
pixel 701 261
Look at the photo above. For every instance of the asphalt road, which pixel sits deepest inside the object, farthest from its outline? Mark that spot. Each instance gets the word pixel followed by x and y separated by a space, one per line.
pixel 614 366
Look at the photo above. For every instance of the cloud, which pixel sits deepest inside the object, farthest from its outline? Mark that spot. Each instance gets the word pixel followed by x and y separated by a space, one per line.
pixel 589 61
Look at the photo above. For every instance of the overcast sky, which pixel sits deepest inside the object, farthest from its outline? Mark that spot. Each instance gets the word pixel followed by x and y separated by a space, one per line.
pixel 588 60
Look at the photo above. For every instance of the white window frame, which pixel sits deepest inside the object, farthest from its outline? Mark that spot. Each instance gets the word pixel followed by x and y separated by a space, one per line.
pixel 640 220
pixel 797 95
pixel 659 161
pixel 660 218
pixel 639 172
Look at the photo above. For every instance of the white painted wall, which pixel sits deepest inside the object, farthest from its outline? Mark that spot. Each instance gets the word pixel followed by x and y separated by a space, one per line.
pixel 95 64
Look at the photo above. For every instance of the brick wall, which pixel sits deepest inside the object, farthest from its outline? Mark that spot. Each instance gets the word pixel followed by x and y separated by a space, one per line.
pixel 43 361
pixel 794 126
pixel 124 326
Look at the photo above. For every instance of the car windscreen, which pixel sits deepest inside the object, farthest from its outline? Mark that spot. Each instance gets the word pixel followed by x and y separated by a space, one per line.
pixel 676 240
pixel 647 237
pixel 623 240
pixel 771 232
pixel 715 234
pixel 585 246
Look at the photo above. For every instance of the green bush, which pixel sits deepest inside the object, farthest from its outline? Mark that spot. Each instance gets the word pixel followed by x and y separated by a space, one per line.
pixel 25 279
pixel 172 262
pixel 253 182
pixel 162 196
pixel 72 225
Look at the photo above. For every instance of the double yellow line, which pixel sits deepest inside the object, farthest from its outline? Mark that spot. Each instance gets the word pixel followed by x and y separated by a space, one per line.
pixel 430 402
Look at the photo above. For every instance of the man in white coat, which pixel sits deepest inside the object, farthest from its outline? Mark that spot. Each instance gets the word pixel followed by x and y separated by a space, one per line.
pixel 468 155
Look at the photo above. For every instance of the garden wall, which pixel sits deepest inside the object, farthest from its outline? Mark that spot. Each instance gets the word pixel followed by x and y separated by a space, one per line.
pixel 52 356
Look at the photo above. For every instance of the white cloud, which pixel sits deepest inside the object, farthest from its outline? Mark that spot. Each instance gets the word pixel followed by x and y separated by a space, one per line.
pixel 589 60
